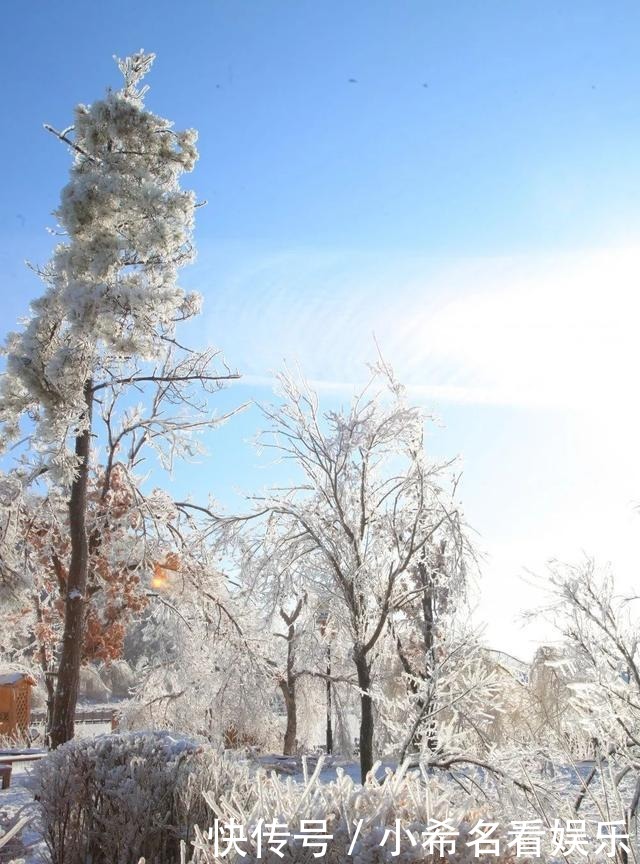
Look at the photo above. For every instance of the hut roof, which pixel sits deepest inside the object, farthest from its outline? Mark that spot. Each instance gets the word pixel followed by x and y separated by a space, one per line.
pixel 10 679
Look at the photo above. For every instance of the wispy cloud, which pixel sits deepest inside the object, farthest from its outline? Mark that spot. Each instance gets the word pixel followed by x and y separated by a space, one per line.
pixel 421 392
pixel 555 335
pixel 537 331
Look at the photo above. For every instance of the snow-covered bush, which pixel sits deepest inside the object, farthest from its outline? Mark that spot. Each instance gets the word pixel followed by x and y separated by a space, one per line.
pixel 115 798
pixel 361 821
pixel 119 798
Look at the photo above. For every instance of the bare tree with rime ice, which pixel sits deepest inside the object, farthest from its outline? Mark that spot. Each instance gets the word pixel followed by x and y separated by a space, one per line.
pixel 366 508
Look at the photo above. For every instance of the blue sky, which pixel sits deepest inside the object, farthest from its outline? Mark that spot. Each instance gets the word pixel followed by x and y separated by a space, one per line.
pixel 460 178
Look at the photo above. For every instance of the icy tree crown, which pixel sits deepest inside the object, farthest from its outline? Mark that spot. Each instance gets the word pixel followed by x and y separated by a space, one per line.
pixel 111 288
pixel 128 221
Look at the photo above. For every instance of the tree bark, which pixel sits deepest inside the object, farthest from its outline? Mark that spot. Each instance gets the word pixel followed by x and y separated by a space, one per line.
pixel 288 683
pixel 329 735
pixel 366 714
pixel 66 696
pixel 428 615
pixel 291 733
pixel 426 581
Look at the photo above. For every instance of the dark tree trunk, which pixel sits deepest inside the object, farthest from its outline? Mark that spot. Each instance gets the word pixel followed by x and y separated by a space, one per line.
pixel 291 731
pixel 428 732
pixel 288 682
pixel 329 735
pixel 366 714
pixel 51 695
pixel 64 706
pixel 428 619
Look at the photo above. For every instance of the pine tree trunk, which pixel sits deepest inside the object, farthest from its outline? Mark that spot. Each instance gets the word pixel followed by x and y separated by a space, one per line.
pixel 66 697
pixel 366 715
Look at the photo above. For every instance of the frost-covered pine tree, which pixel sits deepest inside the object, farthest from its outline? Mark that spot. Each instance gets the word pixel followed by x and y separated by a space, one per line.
pixel 108 313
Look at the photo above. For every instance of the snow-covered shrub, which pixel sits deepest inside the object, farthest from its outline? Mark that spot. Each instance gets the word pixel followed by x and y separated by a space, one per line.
pixel 118 798
pixel 115 798
pixel 411 800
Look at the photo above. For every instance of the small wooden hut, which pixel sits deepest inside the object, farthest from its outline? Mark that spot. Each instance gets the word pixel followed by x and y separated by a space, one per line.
pixel 15 702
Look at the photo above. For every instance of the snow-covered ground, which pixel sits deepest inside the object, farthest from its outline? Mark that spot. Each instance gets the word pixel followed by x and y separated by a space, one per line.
pixel 15 803
pixel 294 767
